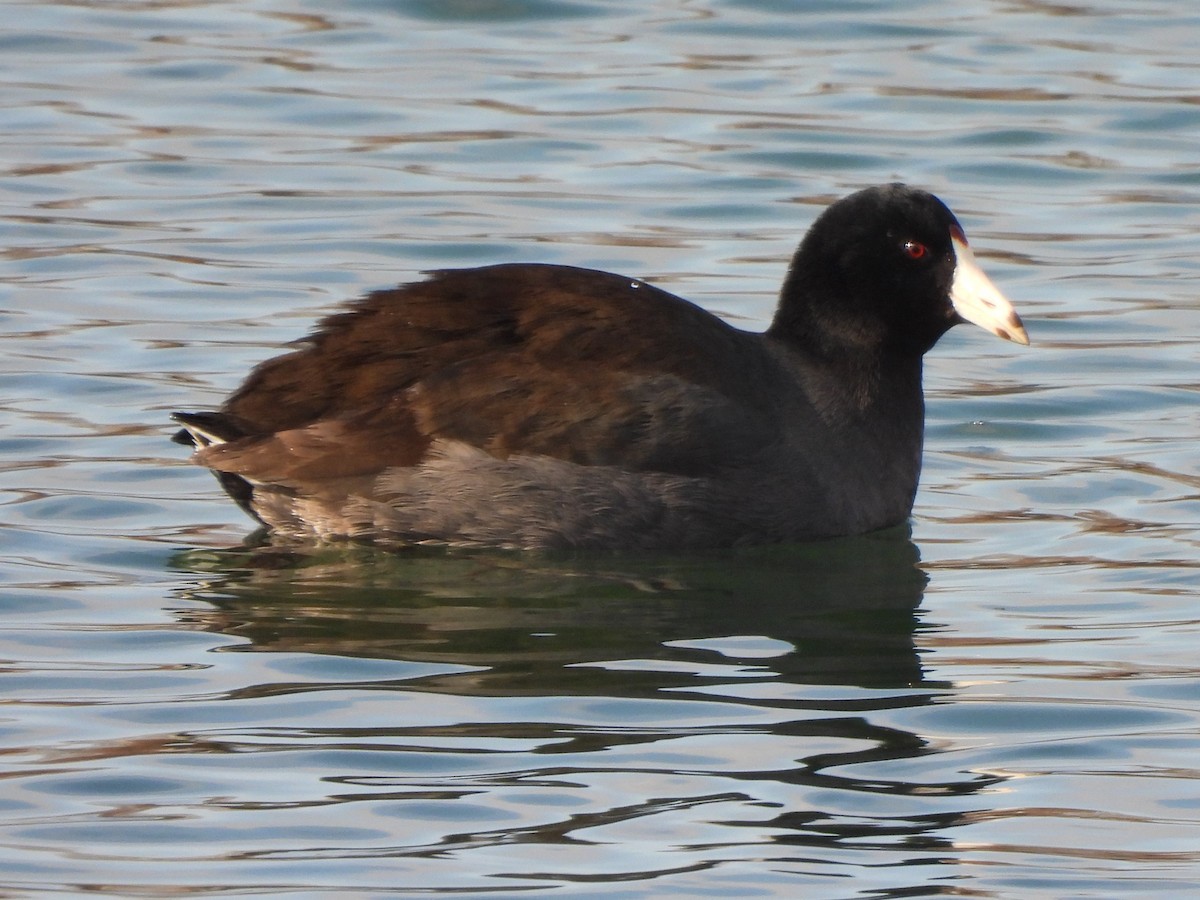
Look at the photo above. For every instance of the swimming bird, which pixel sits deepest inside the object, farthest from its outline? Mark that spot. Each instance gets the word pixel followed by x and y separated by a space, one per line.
pixel 546 406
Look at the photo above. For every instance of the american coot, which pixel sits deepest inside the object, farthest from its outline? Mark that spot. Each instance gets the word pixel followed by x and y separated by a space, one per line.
pixel 544 406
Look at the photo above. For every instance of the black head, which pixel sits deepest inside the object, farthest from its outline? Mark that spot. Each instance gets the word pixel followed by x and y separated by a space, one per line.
pixel 887 270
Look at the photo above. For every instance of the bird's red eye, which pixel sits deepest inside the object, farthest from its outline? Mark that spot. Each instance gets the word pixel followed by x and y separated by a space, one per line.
pixel 915 250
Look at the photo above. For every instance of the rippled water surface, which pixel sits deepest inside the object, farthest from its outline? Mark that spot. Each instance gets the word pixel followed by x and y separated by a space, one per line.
pixel 1002 702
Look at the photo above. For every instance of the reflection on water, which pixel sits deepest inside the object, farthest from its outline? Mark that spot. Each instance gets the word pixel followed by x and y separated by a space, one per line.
pixel 845 609
pixel 745 681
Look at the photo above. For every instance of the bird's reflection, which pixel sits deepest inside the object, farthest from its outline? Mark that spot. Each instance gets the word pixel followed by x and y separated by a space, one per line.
pixel 846 608
pixel 825 629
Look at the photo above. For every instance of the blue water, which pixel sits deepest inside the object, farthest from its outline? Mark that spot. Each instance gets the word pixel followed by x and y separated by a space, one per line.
pixel 1002 700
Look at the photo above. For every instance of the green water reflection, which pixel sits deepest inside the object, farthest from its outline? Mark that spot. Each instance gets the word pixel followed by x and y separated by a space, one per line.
pixel 847 609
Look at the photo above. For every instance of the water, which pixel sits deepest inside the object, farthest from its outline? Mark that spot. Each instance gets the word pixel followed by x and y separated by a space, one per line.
pixel 185 186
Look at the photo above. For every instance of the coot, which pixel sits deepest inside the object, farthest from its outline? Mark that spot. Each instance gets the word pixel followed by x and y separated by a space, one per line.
pixel 544 406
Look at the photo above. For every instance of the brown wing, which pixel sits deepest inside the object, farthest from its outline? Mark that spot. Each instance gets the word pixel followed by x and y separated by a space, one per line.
pixel 570 363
